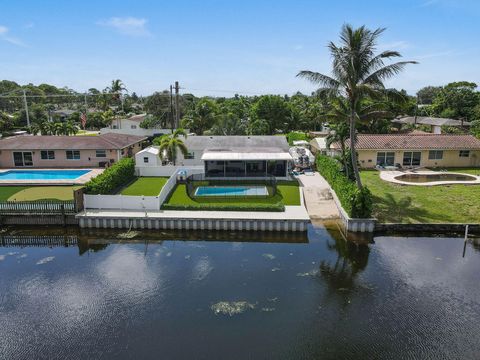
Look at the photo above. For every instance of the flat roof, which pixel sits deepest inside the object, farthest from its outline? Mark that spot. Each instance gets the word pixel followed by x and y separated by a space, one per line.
pixel 246 155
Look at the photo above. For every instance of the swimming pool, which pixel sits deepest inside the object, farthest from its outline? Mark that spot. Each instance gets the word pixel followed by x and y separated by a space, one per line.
pixel 42 174
pixel 231 191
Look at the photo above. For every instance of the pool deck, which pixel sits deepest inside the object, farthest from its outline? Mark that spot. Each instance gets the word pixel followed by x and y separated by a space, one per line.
pixel 78 181
pixel 390 176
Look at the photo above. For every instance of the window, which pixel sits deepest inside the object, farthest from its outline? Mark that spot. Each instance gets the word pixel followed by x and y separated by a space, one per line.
pixel 73 154
pixel 22 158
pixel 386 158
pixel 464 153
pixel 101 153
pixel 133 126
pixel 145 160
pixel 190 155
pixel 47 155
pixel 435 155
pixel 411 158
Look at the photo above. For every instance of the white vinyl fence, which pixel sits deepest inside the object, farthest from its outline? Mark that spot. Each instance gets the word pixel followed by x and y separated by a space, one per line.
pixel 166 170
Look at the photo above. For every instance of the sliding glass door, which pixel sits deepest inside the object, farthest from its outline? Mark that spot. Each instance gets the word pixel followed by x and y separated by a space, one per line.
pixel 22 158
pixel 412 158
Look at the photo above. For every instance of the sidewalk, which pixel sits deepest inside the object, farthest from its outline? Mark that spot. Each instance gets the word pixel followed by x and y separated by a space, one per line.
pixel 318 199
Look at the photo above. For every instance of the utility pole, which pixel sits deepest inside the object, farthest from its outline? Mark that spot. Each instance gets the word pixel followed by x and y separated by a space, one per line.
pixel 26 107
pixel 171 108
pixel 177 105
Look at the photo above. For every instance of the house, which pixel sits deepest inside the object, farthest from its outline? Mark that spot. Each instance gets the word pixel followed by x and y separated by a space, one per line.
pixel 421 150
pixel 434 122
pixel 131 126
pixel 229 156
pixel 67 151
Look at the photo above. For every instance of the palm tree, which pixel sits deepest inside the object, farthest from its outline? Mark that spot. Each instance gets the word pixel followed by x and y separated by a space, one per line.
pixel 170 144
pixel 358 72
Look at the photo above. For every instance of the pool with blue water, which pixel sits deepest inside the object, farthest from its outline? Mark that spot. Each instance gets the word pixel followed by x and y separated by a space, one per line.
pixel 231 191
pixel 42 174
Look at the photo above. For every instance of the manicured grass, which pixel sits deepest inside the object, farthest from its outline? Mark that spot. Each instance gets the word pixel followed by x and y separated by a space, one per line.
pixel 33 193
pixel 393 203
pixel 147 186
pixel 287 194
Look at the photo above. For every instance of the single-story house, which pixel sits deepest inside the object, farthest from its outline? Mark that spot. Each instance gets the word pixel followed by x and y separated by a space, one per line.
pixel 422 150
pixel 229 156
pixel 67 151
pixel 434 122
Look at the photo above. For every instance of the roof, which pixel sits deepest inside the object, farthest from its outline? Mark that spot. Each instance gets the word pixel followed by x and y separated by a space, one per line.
pixel 427 120
pixel 137 118
pixel 229 142
pixel 319 143
pixel 104 141
pixel 247 154
pixel 416 142
pixel 150 150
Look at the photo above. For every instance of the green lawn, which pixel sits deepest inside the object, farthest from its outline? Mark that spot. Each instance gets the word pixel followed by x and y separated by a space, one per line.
pixel 147 186
pixel 33 193
pixel 393 203
pixel 287 194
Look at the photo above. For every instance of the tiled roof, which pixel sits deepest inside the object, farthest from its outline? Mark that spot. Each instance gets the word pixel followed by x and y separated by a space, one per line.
pixel 417 142
pixel 106 141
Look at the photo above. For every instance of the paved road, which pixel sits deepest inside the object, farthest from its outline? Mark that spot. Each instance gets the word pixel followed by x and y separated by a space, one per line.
pixel 318 199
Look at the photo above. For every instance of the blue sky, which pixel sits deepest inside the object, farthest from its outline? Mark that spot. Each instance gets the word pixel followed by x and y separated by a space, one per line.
pixel 215 47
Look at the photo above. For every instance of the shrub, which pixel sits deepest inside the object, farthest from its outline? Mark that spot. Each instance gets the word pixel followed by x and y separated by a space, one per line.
pixel 295 136
pixel 277 207
pixel 357 203
pixel 117 175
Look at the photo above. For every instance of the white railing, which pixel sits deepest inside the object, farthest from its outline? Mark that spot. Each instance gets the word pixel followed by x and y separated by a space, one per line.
pixel 167 170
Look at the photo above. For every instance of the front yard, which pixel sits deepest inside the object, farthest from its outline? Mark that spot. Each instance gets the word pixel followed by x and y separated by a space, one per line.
pixel 35 193
pixel 146 186
pixel 393 203
pixel 287 194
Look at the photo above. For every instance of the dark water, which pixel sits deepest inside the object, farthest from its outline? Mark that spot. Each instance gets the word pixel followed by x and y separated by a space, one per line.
pixel 230 297
pixel 425 178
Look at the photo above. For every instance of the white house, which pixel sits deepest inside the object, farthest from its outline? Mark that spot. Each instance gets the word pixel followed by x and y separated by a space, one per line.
pixel 226 156
pixel 131 126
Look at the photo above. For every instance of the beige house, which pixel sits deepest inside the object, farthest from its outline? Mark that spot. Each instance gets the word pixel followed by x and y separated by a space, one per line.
pixel 67 151
pixel 420 150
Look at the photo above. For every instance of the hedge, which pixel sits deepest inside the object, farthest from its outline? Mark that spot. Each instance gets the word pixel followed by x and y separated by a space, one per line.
pixel 117 175
pixel 357 203
pixel 277 207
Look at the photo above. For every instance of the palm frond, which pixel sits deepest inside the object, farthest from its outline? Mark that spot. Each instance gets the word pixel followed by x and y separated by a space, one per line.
pixel 320 79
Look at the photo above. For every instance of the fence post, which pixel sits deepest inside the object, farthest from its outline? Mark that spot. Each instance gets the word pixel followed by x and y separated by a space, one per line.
pixel 64 217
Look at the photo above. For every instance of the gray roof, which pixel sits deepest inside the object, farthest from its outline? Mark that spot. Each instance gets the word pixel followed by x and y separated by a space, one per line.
pixel 246 143
pixel 107 141
pixel 427 120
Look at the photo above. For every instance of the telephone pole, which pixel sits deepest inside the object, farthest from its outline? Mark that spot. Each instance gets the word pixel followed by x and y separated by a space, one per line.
pixel 171 109
pixel 26 107
pixel 177 105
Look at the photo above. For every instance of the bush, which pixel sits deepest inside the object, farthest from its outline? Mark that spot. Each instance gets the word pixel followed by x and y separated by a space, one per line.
pixel 357 203
pixel 296 136
pixel 278 207
pixel 117 175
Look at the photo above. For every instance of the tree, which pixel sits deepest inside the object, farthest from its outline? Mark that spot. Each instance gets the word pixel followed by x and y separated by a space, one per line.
pixel 158 106
pixel 229 124
pixel 171 144
pixel 426 94
pixel 357 72
pixel 275 111
pixel 201 117
pixel 456 100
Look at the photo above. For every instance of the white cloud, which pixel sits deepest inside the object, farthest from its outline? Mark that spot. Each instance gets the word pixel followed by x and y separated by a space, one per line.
pixel 4 35
pixel 131 26
pixel 395 45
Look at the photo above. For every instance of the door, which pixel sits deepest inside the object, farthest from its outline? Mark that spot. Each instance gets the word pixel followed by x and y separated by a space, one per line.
pixel 412 158
pixel 22 158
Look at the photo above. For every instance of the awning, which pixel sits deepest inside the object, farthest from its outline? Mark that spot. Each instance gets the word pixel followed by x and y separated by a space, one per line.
pixel 213 155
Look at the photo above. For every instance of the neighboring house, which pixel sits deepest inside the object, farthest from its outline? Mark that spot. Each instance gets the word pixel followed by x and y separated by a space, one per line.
pixel 434 122
pixel 131 126
pixel 67 151
pixel 423 150
pixel 229 156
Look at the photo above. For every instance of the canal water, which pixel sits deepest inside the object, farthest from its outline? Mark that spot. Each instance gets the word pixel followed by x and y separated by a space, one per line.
pixel 156 295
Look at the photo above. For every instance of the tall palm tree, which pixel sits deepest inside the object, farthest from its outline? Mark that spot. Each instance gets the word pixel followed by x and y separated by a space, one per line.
pixel 170 144
pixel 117 87
pixel 358 72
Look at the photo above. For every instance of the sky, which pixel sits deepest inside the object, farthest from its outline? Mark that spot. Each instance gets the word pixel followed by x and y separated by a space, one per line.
pixel 220 48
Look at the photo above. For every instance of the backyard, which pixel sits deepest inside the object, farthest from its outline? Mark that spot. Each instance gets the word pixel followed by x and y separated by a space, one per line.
pixel 287 194
pixel 35 193
pixel 146 186
pixel 394 203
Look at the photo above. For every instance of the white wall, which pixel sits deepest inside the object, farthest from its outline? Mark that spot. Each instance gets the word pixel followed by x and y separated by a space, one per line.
pixel 121 202
pixel 153 160
pixel 167 170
